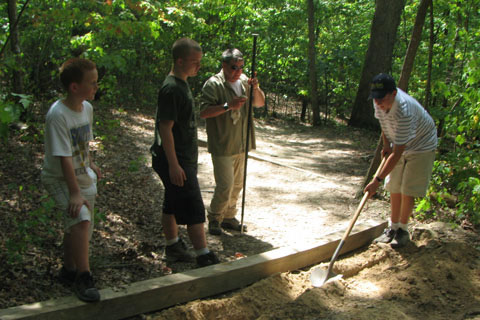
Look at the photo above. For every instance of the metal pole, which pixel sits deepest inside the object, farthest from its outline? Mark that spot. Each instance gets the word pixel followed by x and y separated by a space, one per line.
pixel 249 124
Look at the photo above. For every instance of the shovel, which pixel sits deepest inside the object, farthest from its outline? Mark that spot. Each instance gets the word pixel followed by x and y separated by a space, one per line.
pixel 319 277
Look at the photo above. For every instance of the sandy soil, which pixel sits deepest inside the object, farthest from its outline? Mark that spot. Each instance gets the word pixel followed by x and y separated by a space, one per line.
pixel 436 277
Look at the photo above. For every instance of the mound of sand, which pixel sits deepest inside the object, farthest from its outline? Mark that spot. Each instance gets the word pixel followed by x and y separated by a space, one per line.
pixel 437 276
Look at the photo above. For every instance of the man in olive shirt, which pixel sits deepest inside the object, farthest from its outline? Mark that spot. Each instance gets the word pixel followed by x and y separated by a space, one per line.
pixel 224 104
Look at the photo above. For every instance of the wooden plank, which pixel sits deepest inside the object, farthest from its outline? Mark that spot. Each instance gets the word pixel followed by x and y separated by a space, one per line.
pixel 155 294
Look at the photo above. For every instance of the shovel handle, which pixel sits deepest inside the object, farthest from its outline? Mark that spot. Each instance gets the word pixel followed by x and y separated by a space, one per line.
pixel 322 277
pixel 362 204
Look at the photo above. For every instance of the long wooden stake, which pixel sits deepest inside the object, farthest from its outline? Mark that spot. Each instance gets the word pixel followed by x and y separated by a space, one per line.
pixel 249 124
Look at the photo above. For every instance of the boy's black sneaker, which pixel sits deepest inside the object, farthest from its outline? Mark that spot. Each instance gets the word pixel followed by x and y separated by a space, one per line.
pixel 66 276
pixel 178 252
pixel 207 259
pixel 387 236
pixel 401 239
pixel 85 287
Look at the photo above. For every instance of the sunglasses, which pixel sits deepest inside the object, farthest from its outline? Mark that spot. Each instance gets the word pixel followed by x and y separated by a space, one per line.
pixel 235 67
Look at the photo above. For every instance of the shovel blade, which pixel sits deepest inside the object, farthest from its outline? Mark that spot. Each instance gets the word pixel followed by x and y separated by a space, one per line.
pixel 320 276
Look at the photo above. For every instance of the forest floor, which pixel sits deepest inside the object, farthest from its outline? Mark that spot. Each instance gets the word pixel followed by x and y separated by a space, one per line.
pixel 437 276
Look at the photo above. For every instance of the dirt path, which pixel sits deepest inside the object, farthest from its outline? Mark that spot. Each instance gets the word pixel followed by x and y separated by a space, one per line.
pixel 289 207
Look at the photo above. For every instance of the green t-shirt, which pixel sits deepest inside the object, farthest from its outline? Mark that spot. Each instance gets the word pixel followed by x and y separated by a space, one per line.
pixel 175 102
pixel 226 138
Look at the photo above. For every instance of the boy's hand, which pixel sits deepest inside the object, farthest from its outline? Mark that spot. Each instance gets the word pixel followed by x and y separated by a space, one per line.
pixel 371 188
pixel 177 175
pixel 96 169
pixel 76 203
pixel 386 151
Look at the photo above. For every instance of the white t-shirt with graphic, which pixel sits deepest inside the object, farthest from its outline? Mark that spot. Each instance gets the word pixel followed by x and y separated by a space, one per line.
pixel 67 134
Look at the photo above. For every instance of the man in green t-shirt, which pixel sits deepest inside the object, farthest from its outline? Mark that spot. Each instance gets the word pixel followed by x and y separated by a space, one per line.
pixel 224 105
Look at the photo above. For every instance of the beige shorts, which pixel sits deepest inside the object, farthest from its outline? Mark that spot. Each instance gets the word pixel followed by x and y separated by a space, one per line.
pixel 58 190
pixel 412 174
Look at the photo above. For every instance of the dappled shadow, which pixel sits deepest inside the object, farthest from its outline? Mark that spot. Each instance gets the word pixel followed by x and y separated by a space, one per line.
pixel 131 240
pixel 302 181
pixel 284 206
pixel 328 151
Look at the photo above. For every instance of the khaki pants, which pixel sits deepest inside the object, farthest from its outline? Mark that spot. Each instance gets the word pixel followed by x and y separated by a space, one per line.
pixel 228 172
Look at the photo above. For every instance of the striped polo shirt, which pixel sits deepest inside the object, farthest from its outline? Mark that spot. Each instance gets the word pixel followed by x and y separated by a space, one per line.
pixel 408 123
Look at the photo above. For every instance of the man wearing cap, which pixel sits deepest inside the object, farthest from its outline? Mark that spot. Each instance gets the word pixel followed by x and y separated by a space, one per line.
pixel 224 104
pixel 409 142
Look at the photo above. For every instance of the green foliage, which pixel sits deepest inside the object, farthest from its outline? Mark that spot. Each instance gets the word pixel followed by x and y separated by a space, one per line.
pixel 455 184
pixel 130 40
pixel 469 199
pixel 99 216
pixel 32 230
pixel 10 110
pixel 107 130
pixel 135 165
pixel 8 115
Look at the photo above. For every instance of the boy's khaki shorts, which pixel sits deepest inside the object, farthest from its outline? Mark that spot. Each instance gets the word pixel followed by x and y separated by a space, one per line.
pixel 58 190
pixel 412 174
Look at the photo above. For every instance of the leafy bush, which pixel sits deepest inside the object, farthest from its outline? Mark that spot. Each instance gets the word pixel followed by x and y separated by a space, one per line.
pixel 10 111
pixel 456 185
pixel 32 230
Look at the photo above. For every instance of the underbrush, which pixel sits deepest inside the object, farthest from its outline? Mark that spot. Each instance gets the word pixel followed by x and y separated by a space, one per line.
pixel 454 192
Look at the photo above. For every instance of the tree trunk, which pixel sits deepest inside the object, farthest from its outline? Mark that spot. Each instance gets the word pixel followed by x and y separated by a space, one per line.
pixel 265 108
pixel 428 87
pixel 403 81
pixel 15 47
pixel 304 109
pixel 378 58
pixel 373 167
pixel 327 107
pixel 312 63
pixel 413 45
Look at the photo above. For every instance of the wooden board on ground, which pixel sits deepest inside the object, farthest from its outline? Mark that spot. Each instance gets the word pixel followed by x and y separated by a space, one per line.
pixel 155 294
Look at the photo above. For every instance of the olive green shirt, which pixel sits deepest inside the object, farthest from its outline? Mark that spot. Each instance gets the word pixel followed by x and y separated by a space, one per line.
pixel 224 137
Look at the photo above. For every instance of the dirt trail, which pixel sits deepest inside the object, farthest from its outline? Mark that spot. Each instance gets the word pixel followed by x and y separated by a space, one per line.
pixel 289 207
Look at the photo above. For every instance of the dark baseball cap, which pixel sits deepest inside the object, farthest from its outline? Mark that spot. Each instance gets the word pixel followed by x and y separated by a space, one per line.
pixel 381 85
